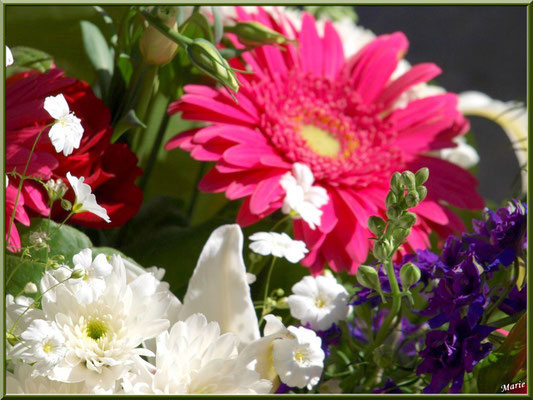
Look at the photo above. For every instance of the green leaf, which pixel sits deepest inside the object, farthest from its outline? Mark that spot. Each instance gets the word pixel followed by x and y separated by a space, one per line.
pixel 218 28
pixel 99 53
pixel 503 364
pixel 20 273
pixel 27 58
pixel 128 121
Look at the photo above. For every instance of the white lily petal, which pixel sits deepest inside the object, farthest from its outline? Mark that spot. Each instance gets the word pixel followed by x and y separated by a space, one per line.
pixel 218 287
pixel 509 115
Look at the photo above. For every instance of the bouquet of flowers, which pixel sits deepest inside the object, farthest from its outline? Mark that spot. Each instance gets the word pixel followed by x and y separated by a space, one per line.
pixel 254 200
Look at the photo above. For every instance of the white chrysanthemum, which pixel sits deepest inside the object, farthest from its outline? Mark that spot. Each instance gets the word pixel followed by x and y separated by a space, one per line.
pixel 279 245
pixel 23 380
pixel 9 57
pixel 19 312
pixel 42 344
pixel 193 358
pixel 103 337
pixel 66 133
pixel 85 200
pixel 302 198
pixel 91 282
pixel 319 301
pixel 299 359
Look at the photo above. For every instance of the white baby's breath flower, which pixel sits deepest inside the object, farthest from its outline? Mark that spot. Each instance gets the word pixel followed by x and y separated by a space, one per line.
pixel 299 358
pixel 66 133
pixel 194 358
pixel 302 199
pixel 279 245
pixel 102 338
pixel 91 282
pixel 9 57
pixel 42 344
pixel 30 288
pixel 85 200
pixel 39 239
pixel 56 188
pixel 319 301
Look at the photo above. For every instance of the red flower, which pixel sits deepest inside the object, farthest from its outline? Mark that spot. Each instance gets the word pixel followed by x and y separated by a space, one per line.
pixel 110 169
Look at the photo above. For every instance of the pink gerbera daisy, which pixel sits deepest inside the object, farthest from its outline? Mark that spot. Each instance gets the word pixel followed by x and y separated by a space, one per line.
pixel 310 105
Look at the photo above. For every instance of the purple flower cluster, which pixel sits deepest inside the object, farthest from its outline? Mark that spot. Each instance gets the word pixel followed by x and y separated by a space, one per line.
pixel 461 295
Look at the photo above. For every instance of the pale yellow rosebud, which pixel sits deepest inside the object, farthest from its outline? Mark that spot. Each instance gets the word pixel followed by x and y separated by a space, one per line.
pixel 156 48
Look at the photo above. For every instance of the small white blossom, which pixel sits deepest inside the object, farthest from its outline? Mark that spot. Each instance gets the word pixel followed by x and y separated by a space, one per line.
pixel 30 288
pixel 9 57
pixel 319 301
pixel 91 283
pixel 85 200
pixel 299 358
pixel 39 238
pixel 43 344
pixel 56 188
pixel 302 199
pixel 279 245
pixel 66 133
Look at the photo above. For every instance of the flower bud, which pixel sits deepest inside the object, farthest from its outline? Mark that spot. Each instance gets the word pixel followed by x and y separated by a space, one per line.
pixel 376 225
pixel 421 176
pixel 156 48
pixel 409 275
pixel 391 199
pixel 422 192
pixel 400 234
pixel 280 292
pixel 66 205
pixel 283 303
pixel 407 220
pixel 77 274
pixel 30 288
pixel 205 56
pixel 396 183
pixel 393 212
pixel 412 199
pixel 382 249
pixel 368 277
pixel 253 34
pixel 56 189
pixel 408 179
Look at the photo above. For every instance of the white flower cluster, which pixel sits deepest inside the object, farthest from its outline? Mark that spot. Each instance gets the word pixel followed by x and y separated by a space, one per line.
pixel 108 326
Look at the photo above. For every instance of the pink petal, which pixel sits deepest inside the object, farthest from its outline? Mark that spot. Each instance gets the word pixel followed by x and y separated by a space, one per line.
pixel 266 192
pixel 310 46
pixel 332 50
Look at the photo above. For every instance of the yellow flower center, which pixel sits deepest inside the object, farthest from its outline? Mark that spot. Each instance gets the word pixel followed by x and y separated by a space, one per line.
pixel 320 141
pixel 95 329
pixel 47 348
pixel 299 356
pixel 320 303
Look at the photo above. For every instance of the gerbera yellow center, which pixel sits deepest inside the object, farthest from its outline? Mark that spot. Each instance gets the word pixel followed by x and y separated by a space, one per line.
pixel 96 329
pixel 320 141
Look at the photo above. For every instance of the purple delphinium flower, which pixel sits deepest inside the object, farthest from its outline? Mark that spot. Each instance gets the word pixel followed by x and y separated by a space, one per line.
pixel 516 301
pixel 449 354
pixel 388 387
pixel 460 287
pixel 330 337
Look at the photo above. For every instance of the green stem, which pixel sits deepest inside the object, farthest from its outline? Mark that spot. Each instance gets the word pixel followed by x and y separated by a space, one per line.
pixel 500 323
pixel 165 30
pixel 194 196
pixel 21 182
pixel 396 304
pixel 267 285
pixel 508 289
pixel 145 96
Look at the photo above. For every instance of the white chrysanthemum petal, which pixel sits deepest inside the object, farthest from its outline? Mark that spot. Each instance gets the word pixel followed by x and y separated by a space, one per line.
pixel 85 200
pixel 319 301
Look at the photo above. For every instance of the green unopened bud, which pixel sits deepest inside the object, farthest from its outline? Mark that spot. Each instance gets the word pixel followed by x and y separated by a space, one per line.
pixel 412 199
pixel 66 205
pixel 421 176
pixel 254 34
pixel 382 249
pixel 393 211
pixel 77 274
pixel 280 292
pixel 408 179
pixel 376 225
pixel 283 303
pixel 391 199
pixel 11 339
pixel 396 183
pixel 409 275
pixel 407 220
pixel 56 189
pixel 400 234
pixel 368 277
pixel 205 56
pixel 422 192
pixel 156 48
